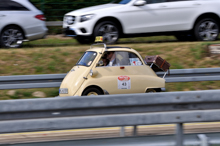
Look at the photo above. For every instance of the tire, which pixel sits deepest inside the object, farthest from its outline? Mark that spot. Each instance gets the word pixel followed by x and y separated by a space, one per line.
pixel 10 37
pixel 151 91
pixel 108 30
pixel 91 91
pixel 206 29
pixel 84 40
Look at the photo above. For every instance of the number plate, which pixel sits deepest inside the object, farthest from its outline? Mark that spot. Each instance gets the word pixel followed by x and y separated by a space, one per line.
pixel 124 82
pixel 63 90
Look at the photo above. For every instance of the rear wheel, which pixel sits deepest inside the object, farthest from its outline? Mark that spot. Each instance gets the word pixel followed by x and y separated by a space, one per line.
pixel 11 37
pixel 91 92
pixel 151 91
pixel 206 29
pixel 108 30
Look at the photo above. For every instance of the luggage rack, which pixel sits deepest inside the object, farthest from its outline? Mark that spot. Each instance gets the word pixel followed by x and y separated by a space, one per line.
pixel 99 41
pixel 98 44
pixel 157 64
pixel 165 72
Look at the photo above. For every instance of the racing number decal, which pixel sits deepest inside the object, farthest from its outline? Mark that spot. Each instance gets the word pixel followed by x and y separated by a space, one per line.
pixel 124 82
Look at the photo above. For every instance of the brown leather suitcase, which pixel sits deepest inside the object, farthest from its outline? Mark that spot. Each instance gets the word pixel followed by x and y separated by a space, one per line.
pixel 157 63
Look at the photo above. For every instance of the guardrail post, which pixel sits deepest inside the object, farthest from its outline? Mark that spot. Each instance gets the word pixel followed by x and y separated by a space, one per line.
pixel 122 132
pixel 179 134
pixel 135 130
pixel 204 140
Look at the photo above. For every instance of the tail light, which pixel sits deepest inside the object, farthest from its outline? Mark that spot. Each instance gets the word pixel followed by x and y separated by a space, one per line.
pixel 40 17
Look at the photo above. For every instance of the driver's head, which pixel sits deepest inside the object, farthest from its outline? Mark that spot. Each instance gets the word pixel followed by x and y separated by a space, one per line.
pixel 110 55
pixel 104 56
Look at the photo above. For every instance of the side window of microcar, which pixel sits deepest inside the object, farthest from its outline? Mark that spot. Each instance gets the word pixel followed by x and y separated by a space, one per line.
pixel 134 59
pixel 120 58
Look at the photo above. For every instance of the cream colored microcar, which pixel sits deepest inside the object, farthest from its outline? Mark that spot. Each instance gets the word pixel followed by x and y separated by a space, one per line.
pixel 125 73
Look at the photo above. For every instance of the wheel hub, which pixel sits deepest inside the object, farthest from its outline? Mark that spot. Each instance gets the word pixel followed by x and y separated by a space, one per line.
pixel 10 37
pixel 109 33
pixel 208 30
pixel 92 94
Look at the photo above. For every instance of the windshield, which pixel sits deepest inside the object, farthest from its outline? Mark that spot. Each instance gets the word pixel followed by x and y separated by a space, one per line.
pixel 121 1
pixel 87 58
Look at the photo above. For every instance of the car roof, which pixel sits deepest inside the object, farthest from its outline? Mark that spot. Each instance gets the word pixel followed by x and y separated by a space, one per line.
pixel 95 47
pixel 112 48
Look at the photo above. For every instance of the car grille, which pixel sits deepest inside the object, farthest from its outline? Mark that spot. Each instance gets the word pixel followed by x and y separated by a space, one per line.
pixel 69 19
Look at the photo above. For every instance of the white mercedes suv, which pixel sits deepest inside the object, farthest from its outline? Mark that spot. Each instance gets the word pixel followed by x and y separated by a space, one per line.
pixel 186 19
pixel 19 21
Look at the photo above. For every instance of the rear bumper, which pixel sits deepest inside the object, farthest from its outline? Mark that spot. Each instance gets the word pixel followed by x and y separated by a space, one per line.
pixel 39 35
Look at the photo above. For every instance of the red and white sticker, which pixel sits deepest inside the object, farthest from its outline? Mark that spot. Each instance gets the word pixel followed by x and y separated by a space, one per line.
pixel 124 82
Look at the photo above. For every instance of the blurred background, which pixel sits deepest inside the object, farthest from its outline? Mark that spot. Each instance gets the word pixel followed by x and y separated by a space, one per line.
pixel 57 54
pixel 54 10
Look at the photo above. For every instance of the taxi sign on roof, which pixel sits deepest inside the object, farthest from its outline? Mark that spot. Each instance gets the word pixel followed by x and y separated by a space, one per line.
pixel 99 39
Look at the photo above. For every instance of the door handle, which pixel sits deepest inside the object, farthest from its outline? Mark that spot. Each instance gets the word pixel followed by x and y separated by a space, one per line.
pixel 2 15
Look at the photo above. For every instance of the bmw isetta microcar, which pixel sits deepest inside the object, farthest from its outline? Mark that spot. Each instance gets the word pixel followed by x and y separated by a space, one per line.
pixel 125 72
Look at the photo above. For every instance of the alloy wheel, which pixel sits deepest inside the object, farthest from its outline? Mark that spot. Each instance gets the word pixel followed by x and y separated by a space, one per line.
pixel 208 31
pixel 12 37
pixel 109 33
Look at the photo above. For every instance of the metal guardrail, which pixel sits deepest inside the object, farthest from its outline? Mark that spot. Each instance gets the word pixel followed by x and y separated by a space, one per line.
pixel 206 139
pixel 54 23
pixel 54 80
pixel 110 111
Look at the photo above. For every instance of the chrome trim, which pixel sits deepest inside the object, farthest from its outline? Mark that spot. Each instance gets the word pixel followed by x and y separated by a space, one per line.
pixel 165 75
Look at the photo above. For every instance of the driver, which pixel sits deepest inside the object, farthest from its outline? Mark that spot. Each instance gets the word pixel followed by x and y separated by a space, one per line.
pixel 105 60
pixel 112 59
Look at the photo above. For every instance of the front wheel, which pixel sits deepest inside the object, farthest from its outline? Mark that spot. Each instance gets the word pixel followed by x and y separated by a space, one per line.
pixel 91 92
pixel 206 30
pixel 108 30
pixel 11 37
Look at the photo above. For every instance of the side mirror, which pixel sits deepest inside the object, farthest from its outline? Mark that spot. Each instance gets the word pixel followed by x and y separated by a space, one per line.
pixel 140 3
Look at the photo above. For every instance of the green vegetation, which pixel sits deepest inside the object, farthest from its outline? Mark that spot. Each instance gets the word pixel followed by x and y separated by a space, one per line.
pixel 27 93
pixel 55 9
pixel 58 54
